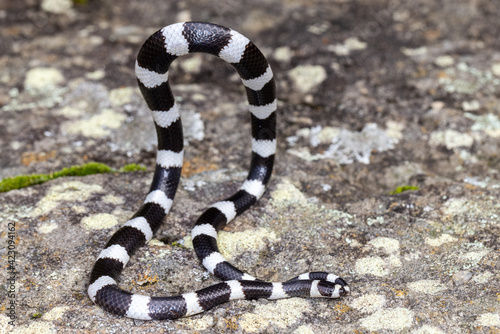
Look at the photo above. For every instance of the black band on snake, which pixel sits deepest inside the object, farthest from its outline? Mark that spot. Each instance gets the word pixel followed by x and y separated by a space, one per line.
pixel 151 69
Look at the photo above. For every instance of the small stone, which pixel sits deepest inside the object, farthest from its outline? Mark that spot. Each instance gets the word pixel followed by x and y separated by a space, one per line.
pixel 444 61
pixel 191 65
pixel 184 16
pixel 461 277
pixel 437 105
pixel 283 53
pixel 350 44
pixel 495 68
pixel 353 43
pixel 326 187
pixel 471 105
pixel 57 6
pixel 307 77
pixel 421 51
pixel 96 75
pixel 318 28
pixel 16 145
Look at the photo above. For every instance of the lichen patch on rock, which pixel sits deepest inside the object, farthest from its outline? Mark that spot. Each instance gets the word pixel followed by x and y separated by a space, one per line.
pixel 369 303
pixel 430 287
pixel 71 191
pixel 281 314
pixel 97 126
pixel 395 319
pixel 99 221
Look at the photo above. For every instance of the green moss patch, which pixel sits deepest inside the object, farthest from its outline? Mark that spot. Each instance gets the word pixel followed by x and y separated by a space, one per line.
pixel 36 315
pixel 401 189
pixel 22 181
pixel 132 168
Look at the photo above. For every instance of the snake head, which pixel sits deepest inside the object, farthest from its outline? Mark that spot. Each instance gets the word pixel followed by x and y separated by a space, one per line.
pixel 333 289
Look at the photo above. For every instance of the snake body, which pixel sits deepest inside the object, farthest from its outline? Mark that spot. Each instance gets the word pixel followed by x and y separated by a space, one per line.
pixel 151 68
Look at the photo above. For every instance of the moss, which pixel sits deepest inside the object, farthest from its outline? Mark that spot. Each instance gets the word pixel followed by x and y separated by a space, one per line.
pixel 177 244
pixel 36 315
pixel 132 168
pixel 401 189
pixel 85 169
pixel 90 168
pixel 22 181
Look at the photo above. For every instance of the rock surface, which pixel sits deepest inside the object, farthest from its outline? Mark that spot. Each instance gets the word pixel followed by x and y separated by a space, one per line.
pixel 373 95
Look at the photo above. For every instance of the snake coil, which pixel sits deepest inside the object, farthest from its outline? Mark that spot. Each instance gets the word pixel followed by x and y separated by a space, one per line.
pixel 151 68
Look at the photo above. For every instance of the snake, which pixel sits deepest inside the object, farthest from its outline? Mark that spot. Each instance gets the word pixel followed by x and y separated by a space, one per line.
pixel 151 68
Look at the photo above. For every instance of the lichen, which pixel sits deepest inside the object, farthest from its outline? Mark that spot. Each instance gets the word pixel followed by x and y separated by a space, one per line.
pixel 281 314
pixel 442 239
pixel 395 319
pixel 99 221
pixel 71 191
pixel 369 303
pixel 96 126
pixel 430 287
pixel 345 146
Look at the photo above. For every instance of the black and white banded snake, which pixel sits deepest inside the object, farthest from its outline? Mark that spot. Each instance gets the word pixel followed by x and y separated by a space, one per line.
pixel 151 68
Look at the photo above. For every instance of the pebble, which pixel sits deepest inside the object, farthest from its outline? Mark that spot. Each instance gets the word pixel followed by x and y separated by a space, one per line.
pixel 96 75
pixel 350 44
pixel 57 6
pixel 283 54
pixel 444 61
pixel 461 277
pixel 307 77
pixel 495 68
pixel 437 105
pixel 473 105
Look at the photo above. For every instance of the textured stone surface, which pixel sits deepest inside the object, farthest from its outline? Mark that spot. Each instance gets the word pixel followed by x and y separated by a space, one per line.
pixel 407 95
